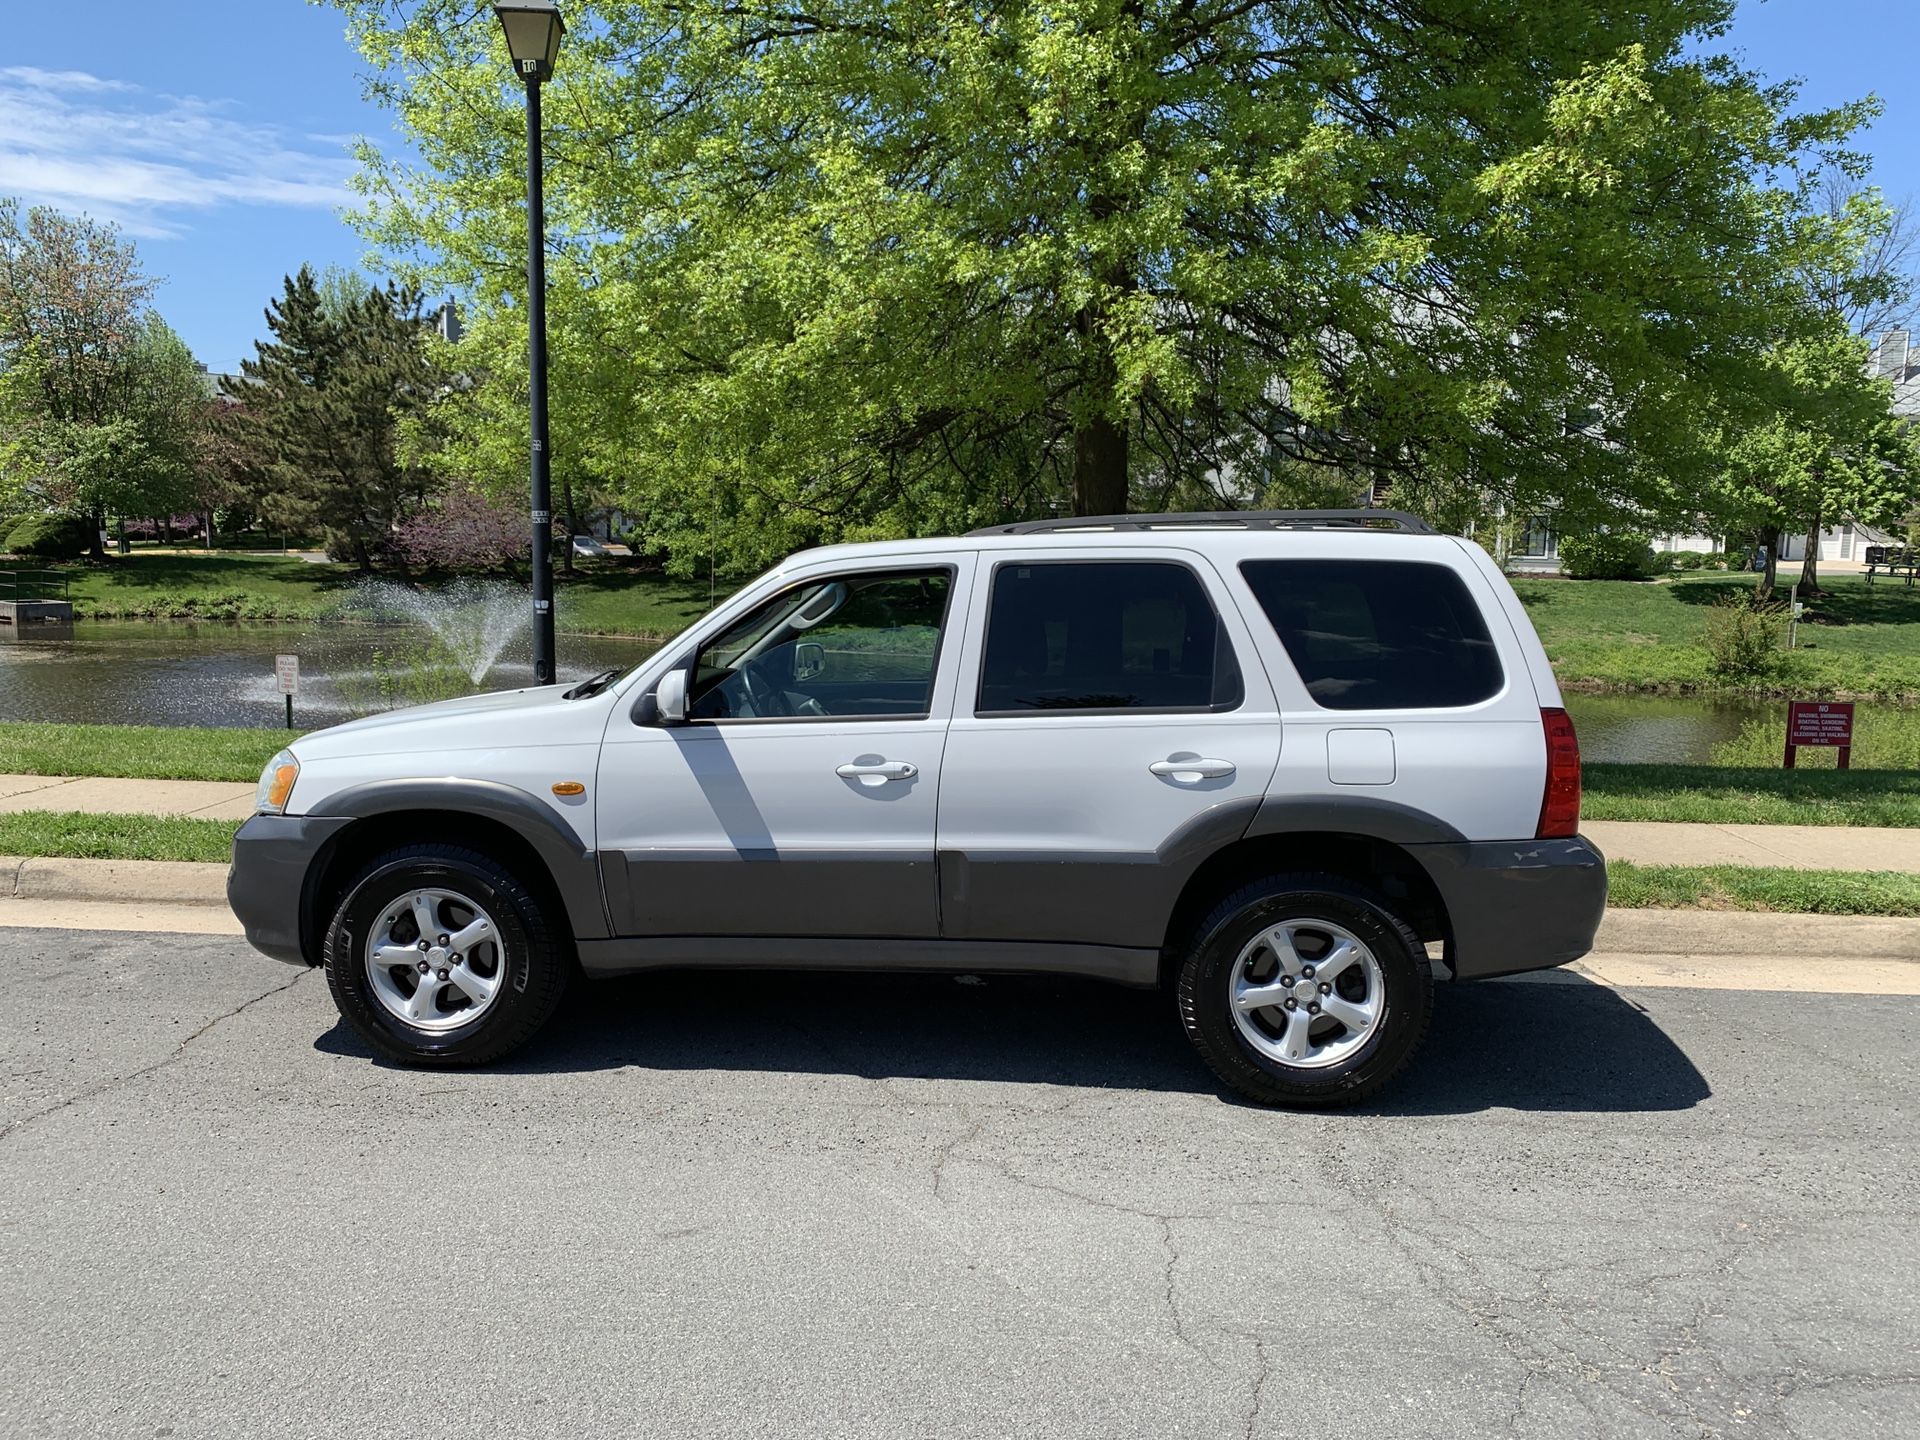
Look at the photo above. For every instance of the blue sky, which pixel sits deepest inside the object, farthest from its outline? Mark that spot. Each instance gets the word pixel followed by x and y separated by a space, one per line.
pixel 215 130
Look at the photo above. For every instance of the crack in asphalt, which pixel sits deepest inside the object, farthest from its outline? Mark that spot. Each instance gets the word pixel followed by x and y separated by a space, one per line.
pixel 14 1127
pixel 1259 1385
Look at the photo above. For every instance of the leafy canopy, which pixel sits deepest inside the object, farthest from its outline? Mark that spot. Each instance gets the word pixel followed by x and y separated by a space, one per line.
pixel 907 265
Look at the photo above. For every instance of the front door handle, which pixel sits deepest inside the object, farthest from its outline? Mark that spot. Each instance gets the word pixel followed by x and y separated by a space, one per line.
pixel 1195 768
pixel 878 772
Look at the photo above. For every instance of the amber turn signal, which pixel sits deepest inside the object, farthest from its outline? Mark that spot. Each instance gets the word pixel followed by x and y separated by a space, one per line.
pixel 282 786
pixel 569 787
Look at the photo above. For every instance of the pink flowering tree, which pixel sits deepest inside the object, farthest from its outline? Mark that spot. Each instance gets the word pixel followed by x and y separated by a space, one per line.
pixel 466 530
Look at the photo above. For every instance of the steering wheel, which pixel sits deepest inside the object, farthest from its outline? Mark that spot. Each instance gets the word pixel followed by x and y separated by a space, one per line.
pixel 762 694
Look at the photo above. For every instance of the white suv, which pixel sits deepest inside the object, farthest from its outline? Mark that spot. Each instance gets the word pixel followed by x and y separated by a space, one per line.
pixel 1265 759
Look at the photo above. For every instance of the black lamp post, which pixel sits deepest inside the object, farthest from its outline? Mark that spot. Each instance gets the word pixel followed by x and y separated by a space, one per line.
pixel 533 31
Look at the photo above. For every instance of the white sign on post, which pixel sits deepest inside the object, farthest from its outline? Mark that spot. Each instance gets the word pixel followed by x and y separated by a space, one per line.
pixel 286 669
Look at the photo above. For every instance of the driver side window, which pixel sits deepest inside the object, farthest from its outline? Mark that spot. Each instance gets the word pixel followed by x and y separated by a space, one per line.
pixel 851 646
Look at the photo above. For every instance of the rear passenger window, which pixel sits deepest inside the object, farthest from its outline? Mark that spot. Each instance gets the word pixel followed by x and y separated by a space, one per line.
pixel 1378 634
pixel 1091 635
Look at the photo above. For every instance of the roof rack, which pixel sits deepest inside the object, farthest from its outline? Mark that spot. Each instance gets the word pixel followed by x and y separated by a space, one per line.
pixel 1397 520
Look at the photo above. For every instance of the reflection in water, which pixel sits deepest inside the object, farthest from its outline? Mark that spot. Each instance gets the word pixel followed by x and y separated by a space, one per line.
pixel 163 673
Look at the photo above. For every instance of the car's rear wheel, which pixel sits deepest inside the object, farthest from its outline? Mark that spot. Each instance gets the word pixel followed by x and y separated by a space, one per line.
pixel 439 955
pixel 1305 990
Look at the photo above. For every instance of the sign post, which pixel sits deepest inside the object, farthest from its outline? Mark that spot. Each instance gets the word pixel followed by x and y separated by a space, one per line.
pixel 1820 722
pixel 286 669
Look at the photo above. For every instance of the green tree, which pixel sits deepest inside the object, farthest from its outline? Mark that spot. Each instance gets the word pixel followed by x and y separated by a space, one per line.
pixel 103 404
pixel 316 428
pixel 1828 445
pixel 828 270
pixel 1832 447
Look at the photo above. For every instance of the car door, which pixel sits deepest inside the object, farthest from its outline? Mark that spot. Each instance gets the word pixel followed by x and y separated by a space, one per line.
pixel 799 798
pixel 1112 714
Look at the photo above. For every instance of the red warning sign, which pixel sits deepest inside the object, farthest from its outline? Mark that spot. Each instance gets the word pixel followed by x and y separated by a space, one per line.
pixel 1820 722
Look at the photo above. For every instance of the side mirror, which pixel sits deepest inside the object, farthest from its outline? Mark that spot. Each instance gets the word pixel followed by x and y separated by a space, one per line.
pixel 809 659
pixel 670 698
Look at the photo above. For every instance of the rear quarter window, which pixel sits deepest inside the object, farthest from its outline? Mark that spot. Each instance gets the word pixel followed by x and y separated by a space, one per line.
pixel 1378 634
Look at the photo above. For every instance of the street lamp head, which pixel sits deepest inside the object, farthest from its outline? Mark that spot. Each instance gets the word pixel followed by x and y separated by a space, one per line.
pixel 533 31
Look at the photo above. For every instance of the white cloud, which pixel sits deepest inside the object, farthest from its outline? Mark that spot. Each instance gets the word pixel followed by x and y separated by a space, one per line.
pixel 149 161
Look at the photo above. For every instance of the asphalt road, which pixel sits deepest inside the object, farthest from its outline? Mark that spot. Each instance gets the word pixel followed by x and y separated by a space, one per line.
pixel 817 1206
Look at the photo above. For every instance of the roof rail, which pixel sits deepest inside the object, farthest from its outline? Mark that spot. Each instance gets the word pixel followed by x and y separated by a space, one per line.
pixel 1397 520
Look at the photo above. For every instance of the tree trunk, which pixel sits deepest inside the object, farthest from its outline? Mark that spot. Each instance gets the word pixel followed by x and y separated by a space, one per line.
pixel 1810 567
pixel 1099 445
pixel 573 525
pixel 1099 468
pixel 96 547
pixel 1771 540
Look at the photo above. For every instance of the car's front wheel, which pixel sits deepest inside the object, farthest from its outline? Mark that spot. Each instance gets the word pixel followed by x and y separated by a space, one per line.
pixel 1305 990
pixel 440 955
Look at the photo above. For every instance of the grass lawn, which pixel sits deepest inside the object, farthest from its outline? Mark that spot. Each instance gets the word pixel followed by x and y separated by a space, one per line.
pixel 1756 796
pixel 1742 887
pixel 1668 887
pixel 115 837
pixel 1642 635
pixel 606 599
pixel 141 752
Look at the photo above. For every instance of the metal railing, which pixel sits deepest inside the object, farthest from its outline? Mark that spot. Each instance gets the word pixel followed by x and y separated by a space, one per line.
pixel 33 585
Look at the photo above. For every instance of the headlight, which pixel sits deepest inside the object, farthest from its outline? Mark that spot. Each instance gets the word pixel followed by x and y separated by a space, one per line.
pixel 276 783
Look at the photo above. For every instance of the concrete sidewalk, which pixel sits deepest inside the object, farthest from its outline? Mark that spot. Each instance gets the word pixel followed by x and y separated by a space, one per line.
pixel 1799 847
pixel 1794 847
pixel 202 799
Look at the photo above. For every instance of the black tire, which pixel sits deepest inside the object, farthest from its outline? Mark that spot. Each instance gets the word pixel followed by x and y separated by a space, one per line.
pixel 1206 977
pixel 537 963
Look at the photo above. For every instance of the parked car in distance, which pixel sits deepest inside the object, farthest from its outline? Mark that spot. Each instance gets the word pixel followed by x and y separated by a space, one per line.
pixel 1263 760
pixel 588 547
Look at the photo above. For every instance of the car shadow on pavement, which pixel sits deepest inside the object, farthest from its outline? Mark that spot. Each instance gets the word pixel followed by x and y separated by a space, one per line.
pixel 1568 1044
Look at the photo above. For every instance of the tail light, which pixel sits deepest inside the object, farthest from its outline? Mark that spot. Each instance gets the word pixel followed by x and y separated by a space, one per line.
pixel 1560 803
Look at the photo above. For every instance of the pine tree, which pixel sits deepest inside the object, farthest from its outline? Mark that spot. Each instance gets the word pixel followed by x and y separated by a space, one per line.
pixel 321 407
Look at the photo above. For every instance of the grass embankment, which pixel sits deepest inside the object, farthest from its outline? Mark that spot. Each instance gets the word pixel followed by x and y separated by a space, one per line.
pixel 77 835
pixel 604 599
pixel 1743 887
pixel 1730 795
pixel 1625 635
pixel 139 752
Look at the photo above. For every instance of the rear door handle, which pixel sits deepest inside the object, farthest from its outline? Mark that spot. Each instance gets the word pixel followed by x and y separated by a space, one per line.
pixel 1198 768
pixel 878 773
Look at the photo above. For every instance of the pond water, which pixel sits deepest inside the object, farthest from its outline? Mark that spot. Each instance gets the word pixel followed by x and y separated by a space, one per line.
pixel 1661 729
pixel 155 673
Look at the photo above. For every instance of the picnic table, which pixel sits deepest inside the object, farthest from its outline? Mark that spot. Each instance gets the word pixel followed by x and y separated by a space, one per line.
pixel 1892 560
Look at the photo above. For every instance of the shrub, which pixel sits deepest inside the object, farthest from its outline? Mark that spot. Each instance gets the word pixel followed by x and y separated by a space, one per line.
pixel 49 537
pixel 1696 560
pixel 1607 555
pixel 1743 638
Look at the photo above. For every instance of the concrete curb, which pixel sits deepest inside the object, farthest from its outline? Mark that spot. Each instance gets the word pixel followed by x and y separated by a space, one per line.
pixel 133 882
pixel 1623 932
pixel 1734 932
